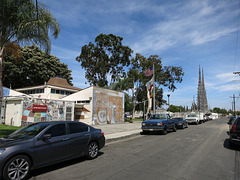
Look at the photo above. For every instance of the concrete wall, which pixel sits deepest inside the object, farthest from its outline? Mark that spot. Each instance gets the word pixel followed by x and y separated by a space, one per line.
pixel 83 95
pixel 13 111
pixel 108 106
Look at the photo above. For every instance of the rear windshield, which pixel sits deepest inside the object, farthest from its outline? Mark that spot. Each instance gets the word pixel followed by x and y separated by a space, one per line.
pixel 237 122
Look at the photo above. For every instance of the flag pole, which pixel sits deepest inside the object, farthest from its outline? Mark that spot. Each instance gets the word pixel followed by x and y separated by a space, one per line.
pixel 154 105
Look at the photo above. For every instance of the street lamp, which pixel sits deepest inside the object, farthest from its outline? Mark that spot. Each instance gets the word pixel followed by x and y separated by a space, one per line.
pixel 168 95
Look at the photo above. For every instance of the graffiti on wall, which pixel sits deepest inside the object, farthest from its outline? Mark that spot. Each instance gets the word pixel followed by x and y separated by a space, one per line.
pixel 39 110
pixel 107 108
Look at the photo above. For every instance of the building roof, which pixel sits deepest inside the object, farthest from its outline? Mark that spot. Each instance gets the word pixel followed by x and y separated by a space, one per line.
pixel 61 82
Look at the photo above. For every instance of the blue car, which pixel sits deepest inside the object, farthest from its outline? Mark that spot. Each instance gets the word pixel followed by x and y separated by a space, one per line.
pixel 159 122
pixel 181 122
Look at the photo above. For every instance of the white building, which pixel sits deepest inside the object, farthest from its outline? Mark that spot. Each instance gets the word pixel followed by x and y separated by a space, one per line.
pixel 57 100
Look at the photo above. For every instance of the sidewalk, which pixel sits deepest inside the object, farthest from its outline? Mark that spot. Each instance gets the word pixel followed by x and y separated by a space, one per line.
pixel 118 131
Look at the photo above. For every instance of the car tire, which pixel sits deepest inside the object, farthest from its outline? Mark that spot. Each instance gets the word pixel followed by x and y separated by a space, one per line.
pixel 175 128
pixel 17 167
pixel 92 150
pixel 164 131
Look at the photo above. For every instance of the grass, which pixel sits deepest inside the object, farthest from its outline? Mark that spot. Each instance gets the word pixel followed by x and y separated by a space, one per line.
pixel 6 130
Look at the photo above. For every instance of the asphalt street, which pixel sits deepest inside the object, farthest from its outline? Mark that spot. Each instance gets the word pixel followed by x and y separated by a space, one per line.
pixel 198 152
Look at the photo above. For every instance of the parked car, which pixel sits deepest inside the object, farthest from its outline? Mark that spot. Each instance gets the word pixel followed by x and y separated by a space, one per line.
pixel 193 118
pixel 234 132
pixel 159 122
pixel 45 143
pixel 181 122
pixel 231 119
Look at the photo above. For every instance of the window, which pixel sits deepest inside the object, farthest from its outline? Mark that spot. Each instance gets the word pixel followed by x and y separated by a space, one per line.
pixel 83 102
pixel 68 117
pixel 77 128
pixel 69 109
pixel 53 91
pixel 57 130
pixel 57 91
pixel 62 92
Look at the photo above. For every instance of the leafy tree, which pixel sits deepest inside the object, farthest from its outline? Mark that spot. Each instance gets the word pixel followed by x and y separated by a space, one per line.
pixel 106 57
pixel 166 76
pixel 127 103
pixel 21 21
pixel 174 108
pixel 33 68
pixel 220 111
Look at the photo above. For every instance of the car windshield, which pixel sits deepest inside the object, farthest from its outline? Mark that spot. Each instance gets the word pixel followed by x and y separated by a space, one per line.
pixel 158 116
pixel 192 115
pixel 28 132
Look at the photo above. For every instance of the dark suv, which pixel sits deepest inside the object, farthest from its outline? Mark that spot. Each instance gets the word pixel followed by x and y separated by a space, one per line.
pixel 234 132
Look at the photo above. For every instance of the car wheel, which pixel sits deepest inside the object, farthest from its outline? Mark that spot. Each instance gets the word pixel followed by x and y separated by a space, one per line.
pixel 17 168
pixel 92 150
pixel 164 131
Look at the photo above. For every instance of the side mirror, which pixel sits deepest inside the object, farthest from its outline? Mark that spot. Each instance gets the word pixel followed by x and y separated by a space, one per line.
pixel 45 137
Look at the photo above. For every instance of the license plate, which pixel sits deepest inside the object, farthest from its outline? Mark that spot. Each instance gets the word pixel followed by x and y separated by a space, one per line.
pixel 150 129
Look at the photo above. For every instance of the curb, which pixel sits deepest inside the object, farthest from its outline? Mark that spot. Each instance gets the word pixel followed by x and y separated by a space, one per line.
pixel 118 136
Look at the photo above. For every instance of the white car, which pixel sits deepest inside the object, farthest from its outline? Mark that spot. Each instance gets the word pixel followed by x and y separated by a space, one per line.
pixel 192 118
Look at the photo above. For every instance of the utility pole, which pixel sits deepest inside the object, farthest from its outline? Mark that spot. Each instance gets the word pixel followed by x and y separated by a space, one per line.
pixel 234 103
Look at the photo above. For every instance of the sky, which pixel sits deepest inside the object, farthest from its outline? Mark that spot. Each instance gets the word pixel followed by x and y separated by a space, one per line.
pixel 186 33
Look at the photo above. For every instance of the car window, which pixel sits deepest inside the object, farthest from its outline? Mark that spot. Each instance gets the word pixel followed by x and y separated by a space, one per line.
pixel 77 127
pixel 29 131
pixel 57 130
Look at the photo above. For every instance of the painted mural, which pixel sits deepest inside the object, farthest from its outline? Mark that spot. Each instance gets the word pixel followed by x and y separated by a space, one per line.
pixel 40 110
pixel 107 107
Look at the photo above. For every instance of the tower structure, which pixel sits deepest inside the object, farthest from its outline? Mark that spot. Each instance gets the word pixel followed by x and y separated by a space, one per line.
pixel 202 103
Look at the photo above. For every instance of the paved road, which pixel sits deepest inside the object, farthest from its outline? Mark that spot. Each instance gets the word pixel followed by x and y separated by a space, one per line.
pixel 200 152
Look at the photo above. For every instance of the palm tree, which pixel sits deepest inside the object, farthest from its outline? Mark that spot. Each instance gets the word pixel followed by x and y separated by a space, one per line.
pixel 23 21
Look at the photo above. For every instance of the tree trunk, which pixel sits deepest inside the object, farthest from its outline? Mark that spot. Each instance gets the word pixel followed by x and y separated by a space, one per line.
pixel 1 85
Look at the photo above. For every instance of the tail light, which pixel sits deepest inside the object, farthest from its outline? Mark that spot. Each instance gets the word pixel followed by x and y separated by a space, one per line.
pixel 102 133
pixel 234 127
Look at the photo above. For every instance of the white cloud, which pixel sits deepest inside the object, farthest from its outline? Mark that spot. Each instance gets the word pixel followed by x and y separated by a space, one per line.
pixel 200 23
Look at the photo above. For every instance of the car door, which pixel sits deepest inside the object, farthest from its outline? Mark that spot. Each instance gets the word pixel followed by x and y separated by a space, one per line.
pixel 79 135
pixel 53 149
pixel 169 122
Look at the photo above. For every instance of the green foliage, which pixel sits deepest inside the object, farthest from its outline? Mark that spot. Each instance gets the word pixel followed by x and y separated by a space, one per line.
pixel 34 68
pixel 128 107
pixel 21 21
pixel 174 108
pixel 106 57
pixel 164 76
pixel 220 111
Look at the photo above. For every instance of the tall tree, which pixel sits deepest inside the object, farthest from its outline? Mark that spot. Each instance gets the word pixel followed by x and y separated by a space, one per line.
pixel 33 68
pixel 166 76
pixel 106 57
pixel 22 22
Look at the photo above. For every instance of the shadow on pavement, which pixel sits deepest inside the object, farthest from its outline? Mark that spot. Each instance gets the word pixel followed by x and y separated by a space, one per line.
pixel 56 166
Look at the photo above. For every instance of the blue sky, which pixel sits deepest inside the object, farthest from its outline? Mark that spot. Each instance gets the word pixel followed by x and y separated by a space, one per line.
pixel 185 33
